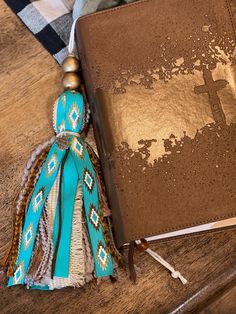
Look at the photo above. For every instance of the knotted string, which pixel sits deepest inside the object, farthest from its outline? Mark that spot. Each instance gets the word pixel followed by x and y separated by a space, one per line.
pixel 175 274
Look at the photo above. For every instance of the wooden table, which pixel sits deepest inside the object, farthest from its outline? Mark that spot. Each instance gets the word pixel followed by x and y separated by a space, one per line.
pixel 30 82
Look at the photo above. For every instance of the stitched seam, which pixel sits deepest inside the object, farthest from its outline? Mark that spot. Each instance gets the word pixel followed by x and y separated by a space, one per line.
pixel 228 8
pixel 214 219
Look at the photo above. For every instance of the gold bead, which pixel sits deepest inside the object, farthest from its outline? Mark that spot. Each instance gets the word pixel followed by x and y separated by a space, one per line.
pixel 70 64
pixel 71 81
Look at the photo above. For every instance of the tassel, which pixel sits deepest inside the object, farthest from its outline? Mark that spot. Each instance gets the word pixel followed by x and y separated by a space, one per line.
pixel 69 159
pixel 49 234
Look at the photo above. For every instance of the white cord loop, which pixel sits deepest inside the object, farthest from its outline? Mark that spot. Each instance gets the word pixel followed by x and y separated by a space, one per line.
pixel 71 45
pixel 175 274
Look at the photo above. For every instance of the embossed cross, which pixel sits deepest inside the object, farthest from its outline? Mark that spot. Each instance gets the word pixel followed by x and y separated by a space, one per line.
pixel 212 87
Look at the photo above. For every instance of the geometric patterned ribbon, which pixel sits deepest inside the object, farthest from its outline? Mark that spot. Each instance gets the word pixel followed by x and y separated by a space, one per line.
pixel 69 116
pixel 102 257
pixel 41 191
pixel 68 190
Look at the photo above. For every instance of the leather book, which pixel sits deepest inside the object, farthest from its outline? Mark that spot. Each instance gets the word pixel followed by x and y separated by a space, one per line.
pixel 160 78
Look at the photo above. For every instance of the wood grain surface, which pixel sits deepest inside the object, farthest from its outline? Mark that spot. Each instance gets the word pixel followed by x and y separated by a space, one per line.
pixel 30 82
pixel 223 305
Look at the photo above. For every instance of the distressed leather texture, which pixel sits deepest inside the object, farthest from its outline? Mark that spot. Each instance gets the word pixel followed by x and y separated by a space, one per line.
pixel 160 78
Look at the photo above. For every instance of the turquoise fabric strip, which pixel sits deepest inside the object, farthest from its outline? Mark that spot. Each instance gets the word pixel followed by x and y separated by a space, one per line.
pixel 69 189
pixel 42 188
pixel 102 257
pixel 38 287
pixel 69 112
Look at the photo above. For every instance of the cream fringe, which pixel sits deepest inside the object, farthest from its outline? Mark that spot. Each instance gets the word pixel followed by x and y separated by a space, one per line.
pixel 78 259
pixel 76 276
pixel 81 266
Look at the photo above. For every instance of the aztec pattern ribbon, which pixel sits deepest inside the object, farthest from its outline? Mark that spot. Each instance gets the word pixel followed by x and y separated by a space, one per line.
pixel 69 121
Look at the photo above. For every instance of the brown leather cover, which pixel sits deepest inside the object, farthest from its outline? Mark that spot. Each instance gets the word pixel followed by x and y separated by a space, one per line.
pixel 160 77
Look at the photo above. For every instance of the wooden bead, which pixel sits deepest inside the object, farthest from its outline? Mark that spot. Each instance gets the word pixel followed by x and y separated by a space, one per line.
pixel 70 64
pixel 71 81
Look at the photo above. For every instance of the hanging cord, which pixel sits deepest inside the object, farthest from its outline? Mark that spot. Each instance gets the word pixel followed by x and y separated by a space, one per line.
pixel 175 274
pixel 71 48
pixel 71 45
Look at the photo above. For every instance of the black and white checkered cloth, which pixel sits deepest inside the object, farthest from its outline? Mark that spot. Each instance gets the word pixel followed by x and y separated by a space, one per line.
pixel 50 20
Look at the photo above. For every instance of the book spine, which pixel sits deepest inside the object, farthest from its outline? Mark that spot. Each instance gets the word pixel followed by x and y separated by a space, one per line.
pixel 102 130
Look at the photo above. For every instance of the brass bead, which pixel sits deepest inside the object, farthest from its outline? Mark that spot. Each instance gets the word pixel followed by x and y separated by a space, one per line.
pixel 70 64
pixel 71 81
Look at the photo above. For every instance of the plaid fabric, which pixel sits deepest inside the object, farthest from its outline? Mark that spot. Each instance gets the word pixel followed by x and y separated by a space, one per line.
pixel 50 20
